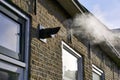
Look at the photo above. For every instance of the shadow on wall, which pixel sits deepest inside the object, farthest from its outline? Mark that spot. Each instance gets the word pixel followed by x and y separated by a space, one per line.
pixel 31 6
pixel 35 32
pixel 53 8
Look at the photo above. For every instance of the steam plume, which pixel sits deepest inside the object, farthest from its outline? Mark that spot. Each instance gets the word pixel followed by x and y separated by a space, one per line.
pixel 92 29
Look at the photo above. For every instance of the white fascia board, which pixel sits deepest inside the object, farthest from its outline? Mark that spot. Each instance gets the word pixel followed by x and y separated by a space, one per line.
pixel 64 44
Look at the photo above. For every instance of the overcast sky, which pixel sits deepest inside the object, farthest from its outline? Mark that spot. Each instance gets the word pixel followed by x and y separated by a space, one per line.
pixel 107 11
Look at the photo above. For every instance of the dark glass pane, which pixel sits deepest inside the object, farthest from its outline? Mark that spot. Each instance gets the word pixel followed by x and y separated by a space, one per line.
pixel 4 75
pixel 9 31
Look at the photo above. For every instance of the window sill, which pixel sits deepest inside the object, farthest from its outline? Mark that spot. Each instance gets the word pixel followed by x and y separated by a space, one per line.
pixel 13 61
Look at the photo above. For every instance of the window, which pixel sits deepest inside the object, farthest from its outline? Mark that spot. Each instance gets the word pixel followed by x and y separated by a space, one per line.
pixel 9 40
pixel 72 64
pixel 97 74
pixel 12 28
pixel 14 42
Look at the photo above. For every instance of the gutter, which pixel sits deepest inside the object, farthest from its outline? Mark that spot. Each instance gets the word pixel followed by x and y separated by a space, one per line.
pixel 113 49
pixel 74 2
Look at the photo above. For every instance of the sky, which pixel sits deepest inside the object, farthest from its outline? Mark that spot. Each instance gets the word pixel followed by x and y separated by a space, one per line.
pixel 107 11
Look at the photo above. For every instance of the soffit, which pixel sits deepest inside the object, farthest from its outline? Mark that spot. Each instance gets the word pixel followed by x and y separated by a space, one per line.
pixel 70 6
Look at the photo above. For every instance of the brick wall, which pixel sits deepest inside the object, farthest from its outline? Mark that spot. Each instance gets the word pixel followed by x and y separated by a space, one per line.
pixel 102 61
pixel 46 58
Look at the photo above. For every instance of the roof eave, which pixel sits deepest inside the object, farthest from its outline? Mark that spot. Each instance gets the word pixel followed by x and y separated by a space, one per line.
pixel 73 7
pixel 111 52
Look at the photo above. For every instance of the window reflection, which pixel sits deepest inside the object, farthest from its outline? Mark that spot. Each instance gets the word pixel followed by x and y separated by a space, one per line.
pixel 96 76
pixel 69 66
pixel 9 30
pixel 4 75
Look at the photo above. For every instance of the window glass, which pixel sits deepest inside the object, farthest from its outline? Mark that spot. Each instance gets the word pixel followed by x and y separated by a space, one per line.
pixel 4 75
pixel 96 76
pixel 14 42
pixel 9 31
pixel 69 66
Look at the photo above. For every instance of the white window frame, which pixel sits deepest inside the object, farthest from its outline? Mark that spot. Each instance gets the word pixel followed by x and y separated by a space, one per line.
pixel 78 56
pixel 64 44
pixel 14 65
pixel 97 70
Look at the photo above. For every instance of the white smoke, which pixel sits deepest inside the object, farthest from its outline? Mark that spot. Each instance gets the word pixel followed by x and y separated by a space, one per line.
pixel 88 27
pixel 92 29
